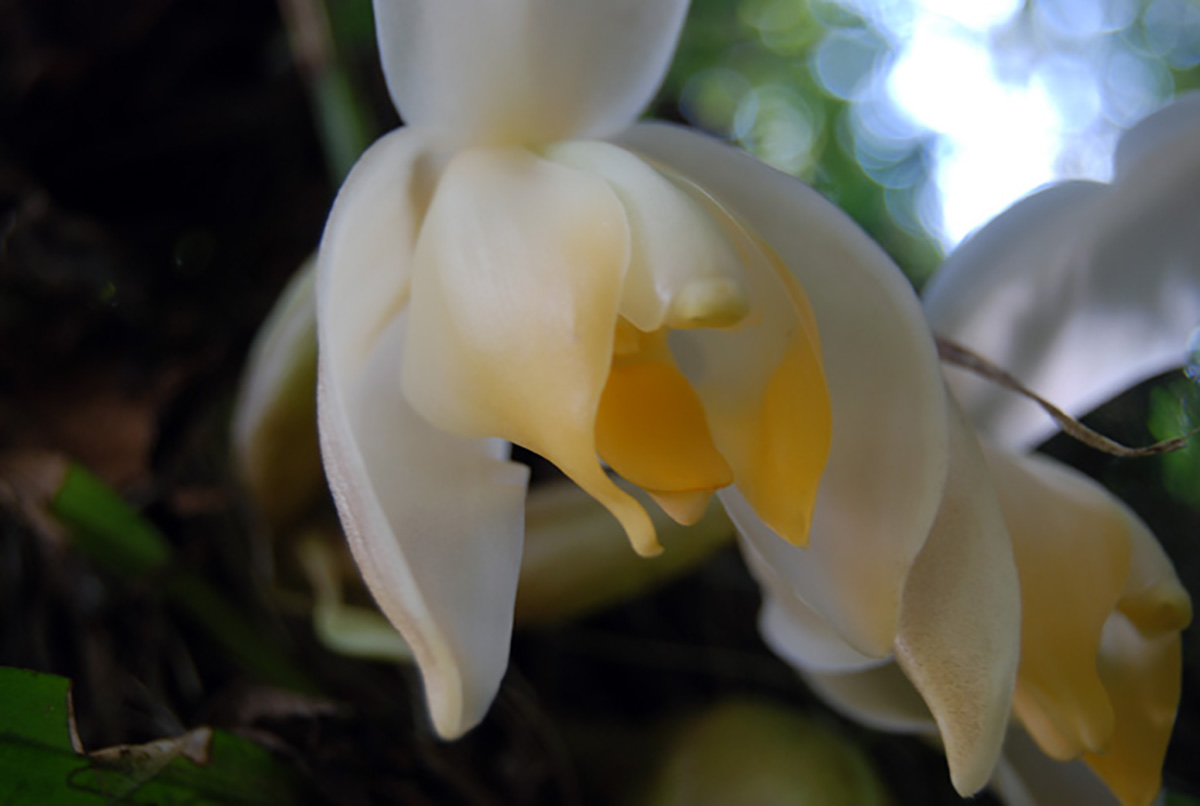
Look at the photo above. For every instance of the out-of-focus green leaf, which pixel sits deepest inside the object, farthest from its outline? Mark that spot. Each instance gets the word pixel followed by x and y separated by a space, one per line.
pixel 116 536
pixel 39 763
pixel 1174 407
pixel 1175 799
pixel 35 708
pixel 107 528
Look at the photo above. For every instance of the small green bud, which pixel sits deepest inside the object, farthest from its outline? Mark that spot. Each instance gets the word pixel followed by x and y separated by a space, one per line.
pixel 765 754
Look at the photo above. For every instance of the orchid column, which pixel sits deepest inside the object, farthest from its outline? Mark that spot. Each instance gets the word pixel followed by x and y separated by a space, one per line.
pixel 523 264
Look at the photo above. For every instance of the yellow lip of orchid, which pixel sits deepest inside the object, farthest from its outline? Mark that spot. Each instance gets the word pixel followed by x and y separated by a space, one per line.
pixel 494 273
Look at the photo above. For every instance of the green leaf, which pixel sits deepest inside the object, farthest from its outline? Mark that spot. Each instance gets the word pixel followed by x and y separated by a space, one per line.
pixel 39 763
pixel 106 527
pixel 35 708
pixel 1175 799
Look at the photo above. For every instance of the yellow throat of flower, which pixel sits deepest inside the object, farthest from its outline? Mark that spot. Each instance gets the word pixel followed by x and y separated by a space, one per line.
pixel 587 305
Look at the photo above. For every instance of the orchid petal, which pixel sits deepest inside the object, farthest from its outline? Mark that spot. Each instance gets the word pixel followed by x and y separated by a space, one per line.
pixel 1154 599
pixel 959 630
pixel 1160 135
pixel 960 625
pixel 793 630
pixel 997 295
pixel 1141 667
pixel 1081 291
pixel 763 387
pixel 677 250
pixel 275 418
pixel 882 698
pixel 516 283
pixel 881 488
pixel 525 71
pixel 1072 545
pixel 1025 776
pixel 434 522
pixel 1142 676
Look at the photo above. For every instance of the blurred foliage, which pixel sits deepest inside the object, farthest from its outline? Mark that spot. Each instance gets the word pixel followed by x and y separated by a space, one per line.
pixel 741 72
pixel 1175 410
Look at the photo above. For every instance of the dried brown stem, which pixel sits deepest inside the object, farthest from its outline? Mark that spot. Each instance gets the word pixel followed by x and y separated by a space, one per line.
pixel 960 356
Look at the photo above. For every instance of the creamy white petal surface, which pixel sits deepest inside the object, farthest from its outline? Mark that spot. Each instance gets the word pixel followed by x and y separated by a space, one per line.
pixel 959 632
pixel 1081 290
pixel 516 285
pixel 525 71
pixel 435 522
pixel 884 699
pixel 675 246
pixel 882 486
pixel 960 624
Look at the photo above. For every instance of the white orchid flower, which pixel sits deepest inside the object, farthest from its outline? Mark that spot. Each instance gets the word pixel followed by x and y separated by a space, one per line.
pixel 1080 291
pixel 1084 289
pixel 522 263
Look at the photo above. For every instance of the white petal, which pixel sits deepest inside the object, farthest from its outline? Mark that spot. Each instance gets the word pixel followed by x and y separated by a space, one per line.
pixel 365 260
pixel 998 295
pixel 881 698
pixel 516 284
pixel 881 488
pixel 1160 135
pixel 959 631
pixel 435 522
pixel 1089 290
pixel 674 243
pixel 1026 776
pixel 793 630
pixel 525 71
pixel 960 626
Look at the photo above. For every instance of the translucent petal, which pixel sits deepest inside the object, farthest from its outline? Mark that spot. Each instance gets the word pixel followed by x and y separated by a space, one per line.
pixel 366 250
pixel 1142 676
pixel 881 698
pixel 959 628
pixel 960 624
pixel 881 488
pixel 275 418
pixel 525 71
pixel 1083 290
pixel 1072 546
pixel 434 522
pixel 1162 134
pixel 796 632
pixel 650 428
pixel 1141 667
pixel 515 288
pixel 1154 599
pixel 1026 776
pixel 999 294
pixel 683 271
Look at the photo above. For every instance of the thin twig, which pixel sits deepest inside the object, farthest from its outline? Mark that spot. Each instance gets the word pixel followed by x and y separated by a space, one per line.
pixel 960 356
